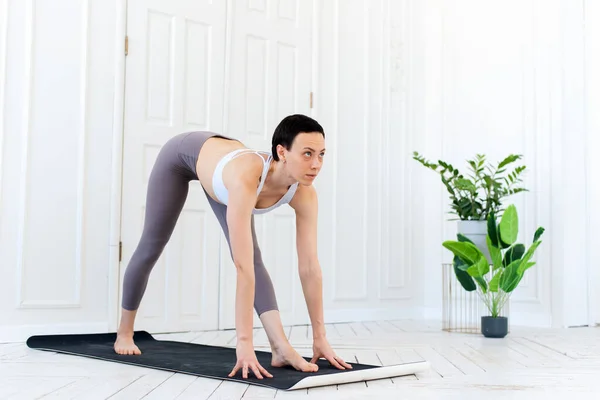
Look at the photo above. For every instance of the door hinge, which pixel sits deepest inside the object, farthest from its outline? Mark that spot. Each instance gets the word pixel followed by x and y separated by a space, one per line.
pixel 311 99
pixel 126 45
pixel 120 251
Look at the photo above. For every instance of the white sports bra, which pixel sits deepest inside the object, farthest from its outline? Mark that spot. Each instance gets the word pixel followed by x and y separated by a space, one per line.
pixel 222 193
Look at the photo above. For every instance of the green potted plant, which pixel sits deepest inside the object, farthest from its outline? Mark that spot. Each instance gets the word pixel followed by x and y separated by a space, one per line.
pixel 474 197
pixel 495 281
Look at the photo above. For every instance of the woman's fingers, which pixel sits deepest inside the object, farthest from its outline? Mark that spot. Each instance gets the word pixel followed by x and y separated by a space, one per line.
pixel 265 372
pixel 344 363
pixel 256 371
pixel 235 369
pixel 334 362
pixel 256 368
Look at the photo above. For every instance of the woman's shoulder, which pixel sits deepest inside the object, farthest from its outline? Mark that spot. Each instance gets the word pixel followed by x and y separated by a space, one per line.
pixel 243 166
pixel 304 196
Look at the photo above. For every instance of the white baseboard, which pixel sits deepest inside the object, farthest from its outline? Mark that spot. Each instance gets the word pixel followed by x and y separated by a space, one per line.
pixel 368 314
pixel 432 313
pixel 524 319
pixel 532 320
pixel 20 333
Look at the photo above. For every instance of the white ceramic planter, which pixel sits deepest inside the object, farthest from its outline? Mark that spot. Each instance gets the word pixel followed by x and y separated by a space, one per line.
pixel 476 231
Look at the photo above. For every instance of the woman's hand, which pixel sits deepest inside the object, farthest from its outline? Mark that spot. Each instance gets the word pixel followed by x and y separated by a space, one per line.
pixel 321 349
pixel 246 359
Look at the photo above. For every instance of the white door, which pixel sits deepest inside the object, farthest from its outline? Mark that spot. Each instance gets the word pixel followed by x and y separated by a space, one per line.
pixel 57 72
pixel 174 84
pixel 269 77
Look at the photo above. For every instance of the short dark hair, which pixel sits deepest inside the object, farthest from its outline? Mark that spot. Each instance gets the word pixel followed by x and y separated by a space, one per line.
pixel 289 128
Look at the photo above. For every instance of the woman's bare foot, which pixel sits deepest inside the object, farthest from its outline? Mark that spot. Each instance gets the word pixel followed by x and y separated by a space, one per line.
pixel 289 356
pixel 282 350
pixel 125 345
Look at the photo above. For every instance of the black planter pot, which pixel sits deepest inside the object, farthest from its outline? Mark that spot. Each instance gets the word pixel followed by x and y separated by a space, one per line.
pixel 494 327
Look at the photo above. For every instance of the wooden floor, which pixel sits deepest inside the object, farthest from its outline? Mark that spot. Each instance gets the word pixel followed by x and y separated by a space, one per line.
pixel 527 364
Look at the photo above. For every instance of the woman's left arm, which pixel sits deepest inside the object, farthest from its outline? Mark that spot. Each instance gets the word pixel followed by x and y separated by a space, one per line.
pixel 305 203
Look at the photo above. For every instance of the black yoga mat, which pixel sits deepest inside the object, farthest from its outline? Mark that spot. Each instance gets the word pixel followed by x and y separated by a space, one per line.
pixel 211 361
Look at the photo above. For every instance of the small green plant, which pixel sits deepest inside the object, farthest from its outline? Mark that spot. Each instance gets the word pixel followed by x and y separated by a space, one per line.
pixel 481 193
pixel 510 260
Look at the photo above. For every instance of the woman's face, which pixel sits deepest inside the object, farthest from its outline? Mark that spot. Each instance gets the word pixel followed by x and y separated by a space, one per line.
pixel 305 158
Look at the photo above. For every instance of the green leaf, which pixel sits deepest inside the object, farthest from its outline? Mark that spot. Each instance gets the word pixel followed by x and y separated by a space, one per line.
pixel 501 242
pixel 538 234
pixel 482 284
pixel 525 267
pixel 463 238
pixel 491 228
pixel 510 278
pixel 462 276
pixel 495 254
pixel 514 253
pixel 465 184
pixel 530 252
pixel 460 264
pixel 465 207
pixel 495 281
pixel 480 268
pixel 468 252
pixel 509 225
pixel 483 266
pixel 473 271
pixel 511 158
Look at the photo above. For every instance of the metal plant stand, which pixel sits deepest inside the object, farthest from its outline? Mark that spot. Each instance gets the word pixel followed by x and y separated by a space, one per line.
pixel 462 310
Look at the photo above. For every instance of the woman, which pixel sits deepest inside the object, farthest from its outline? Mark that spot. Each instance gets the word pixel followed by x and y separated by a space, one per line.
pixel 239 182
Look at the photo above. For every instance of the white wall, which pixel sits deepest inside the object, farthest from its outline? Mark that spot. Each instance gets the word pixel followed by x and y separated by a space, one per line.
pixel 592 121
pixel 493 90
pixel 390 77
pixel 570 189
pixel 486 92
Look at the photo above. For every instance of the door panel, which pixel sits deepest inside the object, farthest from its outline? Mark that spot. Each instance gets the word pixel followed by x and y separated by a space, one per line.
pixel 174 84
pixel 269 78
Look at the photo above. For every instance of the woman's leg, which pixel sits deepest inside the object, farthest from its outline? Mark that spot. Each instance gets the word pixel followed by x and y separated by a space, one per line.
pixel 264 298
pixel 167 192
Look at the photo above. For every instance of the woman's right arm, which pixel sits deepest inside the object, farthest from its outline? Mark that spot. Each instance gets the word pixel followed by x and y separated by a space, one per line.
pixel 239 214
pixel 242 200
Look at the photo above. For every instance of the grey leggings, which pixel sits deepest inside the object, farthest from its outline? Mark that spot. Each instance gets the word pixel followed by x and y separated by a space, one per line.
pixel 174 168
